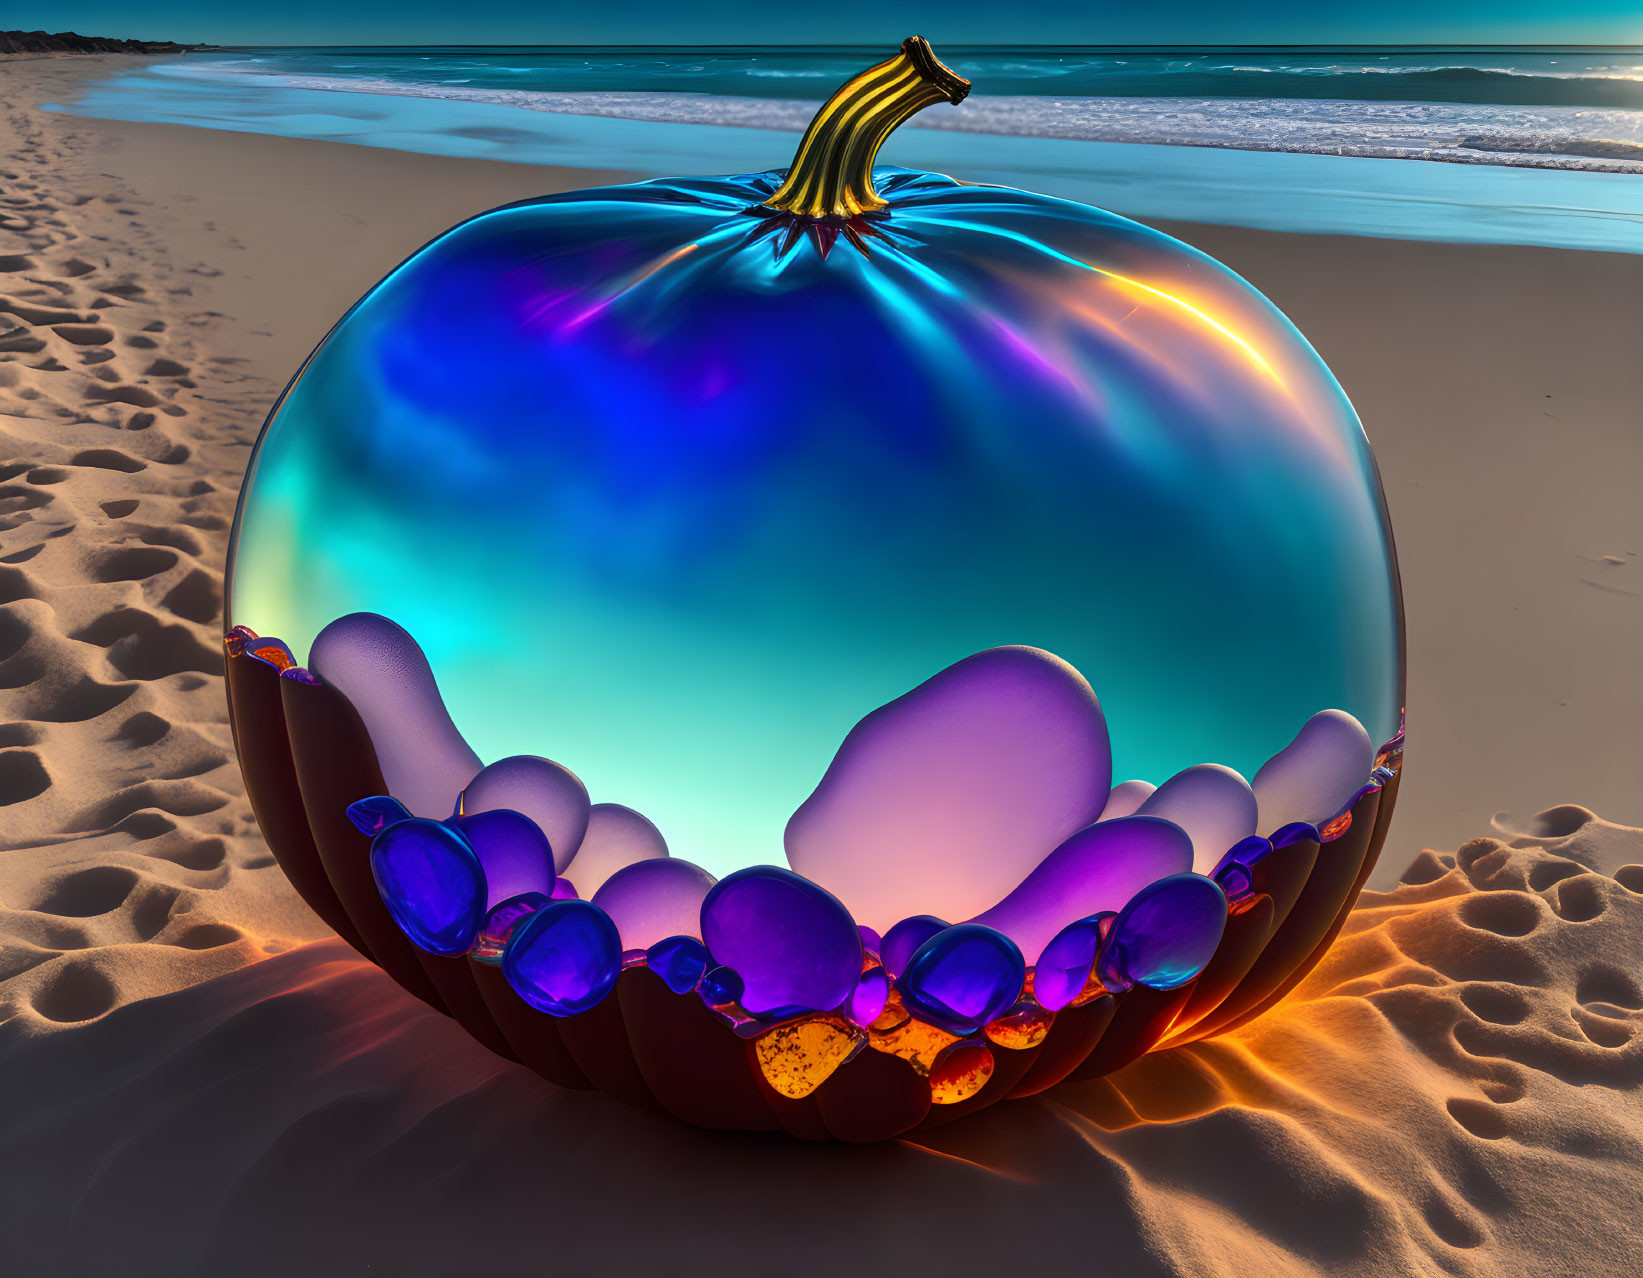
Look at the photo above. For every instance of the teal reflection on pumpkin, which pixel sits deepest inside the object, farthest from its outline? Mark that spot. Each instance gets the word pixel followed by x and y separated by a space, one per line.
pixel 677 508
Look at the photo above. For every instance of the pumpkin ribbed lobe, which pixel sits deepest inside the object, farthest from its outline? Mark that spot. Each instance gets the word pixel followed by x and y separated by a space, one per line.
pixel 832 172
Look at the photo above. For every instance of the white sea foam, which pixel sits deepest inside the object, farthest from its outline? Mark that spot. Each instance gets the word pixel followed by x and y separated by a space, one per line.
pixel 1602 139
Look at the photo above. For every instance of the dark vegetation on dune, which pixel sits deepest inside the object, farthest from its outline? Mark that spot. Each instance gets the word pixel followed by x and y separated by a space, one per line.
pixel 71 42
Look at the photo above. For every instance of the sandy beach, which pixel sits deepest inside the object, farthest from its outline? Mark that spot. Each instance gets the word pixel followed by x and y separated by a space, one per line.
pixel 196 1076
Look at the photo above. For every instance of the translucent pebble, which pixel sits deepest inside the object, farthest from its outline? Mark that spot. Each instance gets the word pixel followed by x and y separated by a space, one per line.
pixel 800 1056
pixel 720 987
pixel 871 941
pixel 1233 870
pixel 961 1072
pixel 917 1042
pixel 547 793
pixel 1063 969
pixel 1126 799
pixel 650 900
pixel 902 941
pixel 616 837
pixel 1214 805
pixel 500 924
pixel 565 959
pixel 1313 777
pixel 941 801
pixel 681 962
pixel 793 944
pixel 512 851
pixel 565 890
pixel 1294 832
pixel 382 672
pixel 1165 936
pixel 1099 868
pixel 1025 1025
pixel 375 814
pixel 871 994
pixel 432 884
pixel 963 977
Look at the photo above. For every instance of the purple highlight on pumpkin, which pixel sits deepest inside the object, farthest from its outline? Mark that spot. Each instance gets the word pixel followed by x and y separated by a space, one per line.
pixel 1313 777
pixel 566 959
pixel 1213 804
pixel 549 794
pixel 963 977
pixel 655 899
pixel 1164 936
pixel 793 944
pixel 501 923
pixel 871 994
pixel 375 814
pixel 681 962
pixel 944 799
pixel 616 837
pixel 1063 969
pixel 1126 799
pixel 513 852
pixel 432 883
pixel 1099 868
pixel 383 674
pixel 902 941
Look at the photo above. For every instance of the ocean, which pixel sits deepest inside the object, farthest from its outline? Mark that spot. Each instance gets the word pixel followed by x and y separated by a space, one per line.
pixel 1541 146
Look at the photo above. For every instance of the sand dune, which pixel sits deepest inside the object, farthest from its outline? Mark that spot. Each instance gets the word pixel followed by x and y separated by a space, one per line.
pixel 196 1078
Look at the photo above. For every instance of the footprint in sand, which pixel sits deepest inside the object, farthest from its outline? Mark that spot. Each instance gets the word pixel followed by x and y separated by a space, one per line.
pixel 23 776
pixel 74 991
pixel 108 459
pixel 141 646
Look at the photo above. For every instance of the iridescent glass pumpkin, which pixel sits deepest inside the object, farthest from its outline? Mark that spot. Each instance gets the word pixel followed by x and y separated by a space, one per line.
pixel 1015 572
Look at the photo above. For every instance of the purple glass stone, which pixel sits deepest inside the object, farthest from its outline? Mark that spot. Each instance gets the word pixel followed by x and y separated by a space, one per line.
pixel 794 945
pixel 432 884
pixel 382 672
pixel 651 900
pixel 1294 832
pixel 1099 868
pixel 1064 968
pixel 963 977
pixel 512 850
pixel 902 941
pixel 872 992
pixel 565 959
pixel 681 962
pixel 720 985
pixel 1166 934
pixel 1234 871
pixel 549 794
pixel 501 923
pixel 565 890
pixel 374 815
pixel 871 941
pixel 945 798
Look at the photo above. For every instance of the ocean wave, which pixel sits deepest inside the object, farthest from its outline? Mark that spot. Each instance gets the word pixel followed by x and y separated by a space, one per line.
pixel 1543 137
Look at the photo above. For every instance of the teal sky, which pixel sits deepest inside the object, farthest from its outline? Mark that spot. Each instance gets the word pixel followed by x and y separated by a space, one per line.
pixel 1172 22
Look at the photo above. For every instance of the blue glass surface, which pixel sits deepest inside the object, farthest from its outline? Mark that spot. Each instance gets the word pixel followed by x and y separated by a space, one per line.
pixel 1166 934
pixel 677 511
pixel 963 977
pixel 375 814
pixel 432 884
pixel 681 961
pixel 794 946
pixel 566 959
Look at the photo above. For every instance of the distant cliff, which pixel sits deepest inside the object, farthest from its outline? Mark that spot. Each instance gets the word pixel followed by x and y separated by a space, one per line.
pixel 69 42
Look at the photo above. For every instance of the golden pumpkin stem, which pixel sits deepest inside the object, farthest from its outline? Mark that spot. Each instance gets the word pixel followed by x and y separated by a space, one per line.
pixel 832 172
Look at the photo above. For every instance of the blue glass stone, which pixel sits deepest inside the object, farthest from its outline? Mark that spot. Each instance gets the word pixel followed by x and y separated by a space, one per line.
pixel 566 959
pixel 432 884
pixel 963 977
pixel 681 962
pixel 720 986
pixel 374 815
pixel 1165 936
pixel 902 941
pixel 871 994
pixel 871 941
pixel 1063 969
pixel 512 850
pixel 1233 870
pixel 501 923
pixel 794 946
